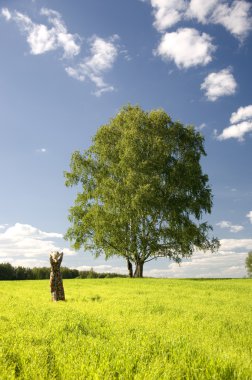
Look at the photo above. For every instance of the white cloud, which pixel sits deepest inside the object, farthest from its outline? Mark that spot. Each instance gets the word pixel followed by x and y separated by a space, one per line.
pixel 103 54
pixel 235 244
pixel 201 126
pixel 24 240
pixel 41 38
pixel 243 113
pixel 234 17
pixel 186 47
pixel 6 13
pixel 66 40
pixel 231 227
pixel 41 150
pixel 27 263
pixel 219 84
pixel 28 246
pixel 167 13
pixel 237 131
pixel 201 10
pixel 228 262
pixel 203 265
pixel 249 215
pixel 103 268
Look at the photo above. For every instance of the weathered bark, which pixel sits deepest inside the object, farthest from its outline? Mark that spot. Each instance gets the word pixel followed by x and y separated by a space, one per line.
pixel 139 269
pixel 130 268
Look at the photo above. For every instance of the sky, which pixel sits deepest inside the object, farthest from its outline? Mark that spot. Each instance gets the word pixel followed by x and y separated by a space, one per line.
pixel 67 67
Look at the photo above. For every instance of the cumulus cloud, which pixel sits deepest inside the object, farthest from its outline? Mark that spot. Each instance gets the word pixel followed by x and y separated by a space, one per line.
pixel 40 37
pixel 222 265
pixel 249 215
pixel 3 226
pixel 219 84
pixel 231 227
pixel 235 244
pixel 167 13
pixel 243 119
pixel 228 262
pixel 26 241
pixel 103 54
pixel 236 131
pixel 27 263
pixel 186 47
pixel 243 113
pixel 201 10
pixel 28 246
pixel 234 16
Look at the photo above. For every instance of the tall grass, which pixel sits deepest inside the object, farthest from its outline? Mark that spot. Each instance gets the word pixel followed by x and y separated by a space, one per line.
pixel 127 329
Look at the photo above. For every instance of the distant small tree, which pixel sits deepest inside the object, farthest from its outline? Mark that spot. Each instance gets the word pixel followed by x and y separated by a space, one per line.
pixel 21 273
pixel 7 272
pixel 248 264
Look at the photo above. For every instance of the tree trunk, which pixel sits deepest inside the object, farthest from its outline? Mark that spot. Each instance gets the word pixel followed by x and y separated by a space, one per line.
pixel 139 269
pixel 130 268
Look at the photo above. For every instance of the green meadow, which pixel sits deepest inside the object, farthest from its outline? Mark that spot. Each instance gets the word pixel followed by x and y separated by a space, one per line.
pixel 127 329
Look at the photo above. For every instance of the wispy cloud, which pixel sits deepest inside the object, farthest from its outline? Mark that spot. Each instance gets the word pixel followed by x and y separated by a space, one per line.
pixel 6 14
pixel 231 227
pixel 201 126
pixel 249 215
pixel 219 84
pixel 103 54
pixel 243 119
pixel 42 38
pixel 41 150
pixel 54 35
pixel 186 47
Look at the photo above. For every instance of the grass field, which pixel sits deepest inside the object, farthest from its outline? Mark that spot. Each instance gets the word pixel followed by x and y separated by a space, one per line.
pixel 127 329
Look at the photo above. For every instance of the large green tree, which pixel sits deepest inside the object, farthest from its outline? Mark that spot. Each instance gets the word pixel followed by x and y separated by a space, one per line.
pixel 142 190
pixel 248 264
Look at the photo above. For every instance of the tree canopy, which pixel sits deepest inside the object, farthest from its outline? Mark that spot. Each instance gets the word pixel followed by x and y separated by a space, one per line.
pixel 143 193
pixel 248 264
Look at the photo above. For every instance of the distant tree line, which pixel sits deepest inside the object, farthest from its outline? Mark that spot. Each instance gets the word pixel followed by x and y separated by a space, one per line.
pixel 8 272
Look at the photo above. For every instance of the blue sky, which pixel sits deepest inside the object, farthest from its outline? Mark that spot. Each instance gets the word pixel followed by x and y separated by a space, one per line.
pixel 67 67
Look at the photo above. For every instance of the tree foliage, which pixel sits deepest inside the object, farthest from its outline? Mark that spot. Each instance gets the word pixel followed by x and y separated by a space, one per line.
pixel 143 193
pixel 8 272
pixel 248 264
